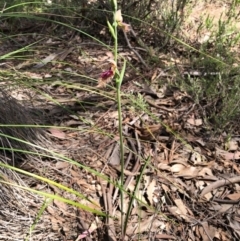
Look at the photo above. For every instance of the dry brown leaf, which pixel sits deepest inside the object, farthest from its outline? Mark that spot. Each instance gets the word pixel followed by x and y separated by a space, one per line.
pixel 174 210
pixel 205 172
pixel 114 159
pixel 61 205
pixel 61 165
pixel 58 133
pixel 73 122
pixel 165 188
pixel 46 60
pixel 150 190
pixel 126 202
pixel 177 168
pixel 51 210
pixel 223 236
pixel 234 196
pixel 228 155
pixel 55 224
pixel 181 206
pixel 234 222
pixel 235 167
pixel 179 160
pixel 74 174
pixel 145 225
pixel 164 236
pixel 188 172
pixel 109 55
pixel 208 196
pixel 113 114
pixel 233 156
pixel 183 209
pixel 200 184
pixel 207 228
pixel 164 166
pixel 195 122
pixel 83 184
pixel 223 208
pixel 149 132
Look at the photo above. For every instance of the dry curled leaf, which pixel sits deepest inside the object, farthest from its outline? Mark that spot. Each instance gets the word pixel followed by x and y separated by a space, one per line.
pixel 149 133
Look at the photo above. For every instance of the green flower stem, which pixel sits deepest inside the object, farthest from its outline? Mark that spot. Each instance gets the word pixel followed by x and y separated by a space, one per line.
pixel 119 82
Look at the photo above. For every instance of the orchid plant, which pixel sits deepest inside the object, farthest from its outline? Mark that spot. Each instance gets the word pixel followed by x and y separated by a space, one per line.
pixel 106 77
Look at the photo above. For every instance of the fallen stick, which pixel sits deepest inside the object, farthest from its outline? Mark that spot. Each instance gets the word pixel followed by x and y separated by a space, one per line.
pixel 218 184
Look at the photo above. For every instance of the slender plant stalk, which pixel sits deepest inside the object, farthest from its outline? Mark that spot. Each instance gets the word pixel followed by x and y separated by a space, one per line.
pixel 121 154
pixel 119 82
pixel 119 79
pixel 133 197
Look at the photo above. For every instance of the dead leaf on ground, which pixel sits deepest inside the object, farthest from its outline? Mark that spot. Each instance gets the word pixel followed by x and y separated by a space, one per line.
pixel 188 172
pixel 182 207
pixel 114 159
pixel 61 205
pixel 228 155
pixel 149 132
pixel 234 196
pixel 207 231
pixel 234 222
pixel 150 190
pixel 83 184
pixel 174 210
pixel 177 168
pixel 165 236
pixel 61 165
pixel 75 174
pixel 195 122
pixel 58 133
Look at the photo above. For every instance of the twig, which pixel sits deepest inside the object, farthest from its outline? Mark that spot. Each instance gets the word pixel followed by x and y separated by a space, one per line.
pixel 137 164
pixel 117 189
pixel 104 193
pixel 111 227
pixel 226 201
pixel 130 47
pixel 151 103
pixel 218 184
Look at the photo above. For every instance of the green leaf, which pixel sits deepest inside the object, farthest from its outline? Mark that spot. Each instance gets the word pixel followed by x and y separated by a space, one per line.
pixel 111 29
pixel 120 79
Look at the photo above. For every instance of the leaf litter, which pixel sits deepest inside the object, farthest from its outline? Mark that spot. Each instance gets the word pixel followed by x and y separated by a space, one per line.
pixel 189 191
